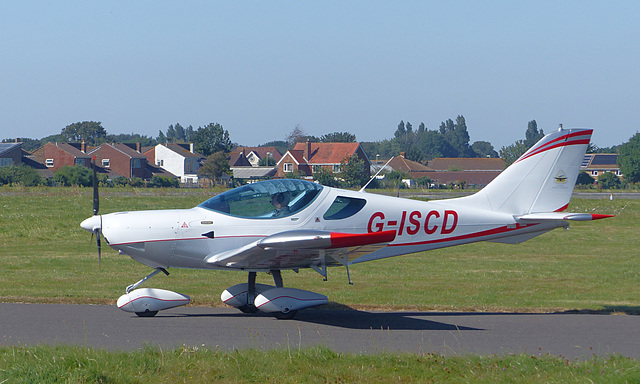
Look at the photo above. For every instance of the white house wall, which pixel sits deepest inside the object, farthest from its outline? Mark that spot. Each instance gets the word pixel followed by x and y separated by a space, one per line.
pixel 176 164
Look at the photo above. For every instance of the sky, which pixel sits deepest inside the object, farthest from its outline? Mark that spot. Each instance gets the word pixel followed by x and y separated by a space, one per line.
pixel 262 68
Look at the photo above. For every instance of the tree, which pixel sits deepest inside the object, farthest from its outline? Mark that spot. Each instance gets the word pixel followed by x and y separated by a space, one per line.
pixel 532 135
pixel 401 131
pixel 91 132
pixel 629 159
pixel 267 162
pixel 608 180
pixel 211 139
pixel 297 135
pixel 145 141
pixel 584 179
pixel 328 178
pixel 458 136
pixel 354 171
pixel 484 149
pixel 338 137
pixel 215 166
pixel 512 152
pixel 280 145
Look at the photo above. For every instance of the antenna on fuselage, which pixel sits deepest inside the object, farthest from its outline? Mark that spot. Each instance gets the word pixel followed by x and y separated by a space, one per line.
pixel 374 176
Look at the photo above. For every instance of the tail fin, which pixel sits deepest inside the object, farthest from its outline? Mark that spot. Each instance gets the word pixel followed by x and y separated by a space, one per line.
pixel 541 180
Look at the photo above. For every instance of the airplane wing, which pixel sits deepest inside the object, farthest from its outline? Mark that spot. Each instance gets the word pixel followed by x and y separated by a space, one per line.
pixel 302 248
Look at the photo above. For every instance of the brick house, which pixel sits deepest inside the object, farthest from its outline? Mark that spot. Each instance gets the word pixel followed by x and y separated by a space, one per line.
pixel 122 159
pixel 595 164
pixel 179 159
pixel 10 154
pixel 255 154
pixel 56 155
pixel 309 158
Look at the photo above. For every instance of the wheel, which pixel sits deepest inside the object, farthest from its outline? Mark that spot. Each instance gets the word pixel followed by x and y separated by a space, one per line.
pixel 285 315
pixel 147 313
pixel 249 308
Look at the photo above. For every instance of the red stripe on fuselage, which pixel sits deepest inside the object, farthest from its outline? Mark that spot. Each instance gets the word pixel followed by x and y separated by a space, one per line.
pixel 488 232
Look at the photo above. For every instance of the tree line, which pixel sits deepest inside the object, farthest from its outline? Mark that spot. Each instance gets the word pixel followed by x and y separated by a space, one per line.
pixel 451 139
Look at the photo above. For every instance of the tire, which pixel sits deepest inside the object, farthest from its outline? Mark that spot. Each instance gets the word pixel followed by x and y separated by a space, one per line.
pixel 147 313
pixel 248 308
pixel 285 315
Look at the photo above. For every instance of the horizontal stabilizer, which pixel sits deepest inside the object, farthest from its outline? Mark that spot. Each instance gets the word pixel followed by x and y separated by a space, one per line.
pixel 561 216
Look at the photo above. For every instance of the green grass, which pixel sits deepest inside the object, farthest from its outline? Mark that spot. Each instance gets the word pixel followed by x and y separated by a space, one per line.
pixel 314 365
pixel 47 257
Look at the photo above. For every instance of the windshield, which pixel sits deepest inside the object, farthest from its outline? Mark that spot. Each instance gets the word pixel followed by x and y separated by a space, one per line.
pixel 266 199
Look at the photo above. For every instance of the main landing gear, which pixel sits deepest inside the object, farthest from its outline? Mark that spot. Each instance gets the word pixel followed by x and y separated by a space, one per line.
pixel 284 303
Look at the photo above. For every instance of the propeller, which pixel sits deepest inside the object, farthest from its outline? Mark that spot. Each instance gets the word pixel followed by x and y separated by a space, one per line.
pixel 96 208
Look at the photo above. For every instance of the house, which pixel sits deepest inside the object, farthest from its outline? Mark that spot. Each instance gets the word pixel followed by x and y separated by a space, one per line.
pixel 179 159
pixel 122 159
pixel 400 163
pixel 255 154
pixel 595 164
pixel 309 158
pixel 10 154
pixel 473 172
pixel 467 164
pixel 57 155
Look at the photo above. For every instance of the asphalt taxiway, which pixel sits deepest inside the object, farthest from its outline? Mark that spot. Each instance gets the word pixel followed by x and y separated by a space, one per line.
pixel 100 326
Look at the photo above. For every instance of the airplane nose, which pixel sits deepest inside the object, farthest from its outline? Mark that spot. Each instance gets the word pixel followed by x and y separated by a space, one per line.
pixel 91 224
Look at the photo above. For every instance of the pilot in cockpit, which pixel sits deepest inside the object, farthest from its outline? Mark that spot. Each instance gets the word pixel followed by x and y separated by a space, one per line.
pixel 280 201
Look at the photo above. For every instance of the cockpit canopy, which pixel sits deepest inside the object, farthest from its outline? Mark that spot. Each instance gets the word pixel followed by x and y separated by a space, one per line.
pixel 266 199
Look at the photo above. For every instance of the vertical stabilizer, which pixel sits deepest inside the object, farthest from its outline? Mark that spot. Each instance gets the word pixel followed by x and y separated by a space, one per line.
pixel 541 180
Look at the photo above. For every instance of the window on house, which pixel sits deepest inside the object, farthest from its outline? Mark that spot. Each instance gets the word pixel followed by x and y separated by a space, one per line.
pixel 618 173
pixel 594 173
pixel 317 168
pixel 6 161
pixel 160 163
pixel 106 163
pixel 137 163
pixel 288 167
pixel 337 168
pixel 49 162
pixel 80 162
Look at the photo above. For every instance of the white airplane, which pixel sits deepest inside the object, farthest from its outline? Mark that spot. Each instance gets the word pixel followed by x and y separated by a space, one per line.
pixel 286 224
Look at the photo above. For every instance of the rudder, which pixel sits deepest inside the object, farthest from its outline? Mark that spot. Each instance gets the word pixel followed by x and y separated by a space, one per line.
pixel 542 179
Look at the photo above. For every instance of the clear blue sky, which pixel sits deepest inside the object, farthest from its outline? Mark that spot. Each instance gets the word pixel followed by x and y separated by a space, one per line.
pixel 261 68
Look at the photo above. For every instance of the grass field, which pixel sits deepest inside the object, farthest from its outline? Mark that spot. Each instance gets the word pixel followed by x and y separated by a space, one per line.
pixel 315 365
pixel 47 257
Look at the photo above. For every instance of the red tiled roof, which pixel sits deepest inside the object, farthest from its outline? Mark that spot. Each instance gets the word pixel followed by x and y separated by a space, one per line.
pixel 479 178
pixel 467 163
pixel 328 153
pixel 399 163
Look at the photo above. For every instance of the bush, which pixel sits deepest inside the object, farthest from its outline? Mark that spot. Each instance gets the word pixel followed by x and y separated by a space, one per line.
pixel 73 175
pixel 20 174
pixel 158 181
pixel 608 180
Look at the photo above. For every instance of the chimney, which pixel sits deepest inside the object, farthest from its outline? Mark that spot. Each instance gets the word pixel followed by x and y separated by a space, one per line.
pixel 307 150
pixel 83 147
pixel 138 147
pixel 191 147
pixel 402 154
